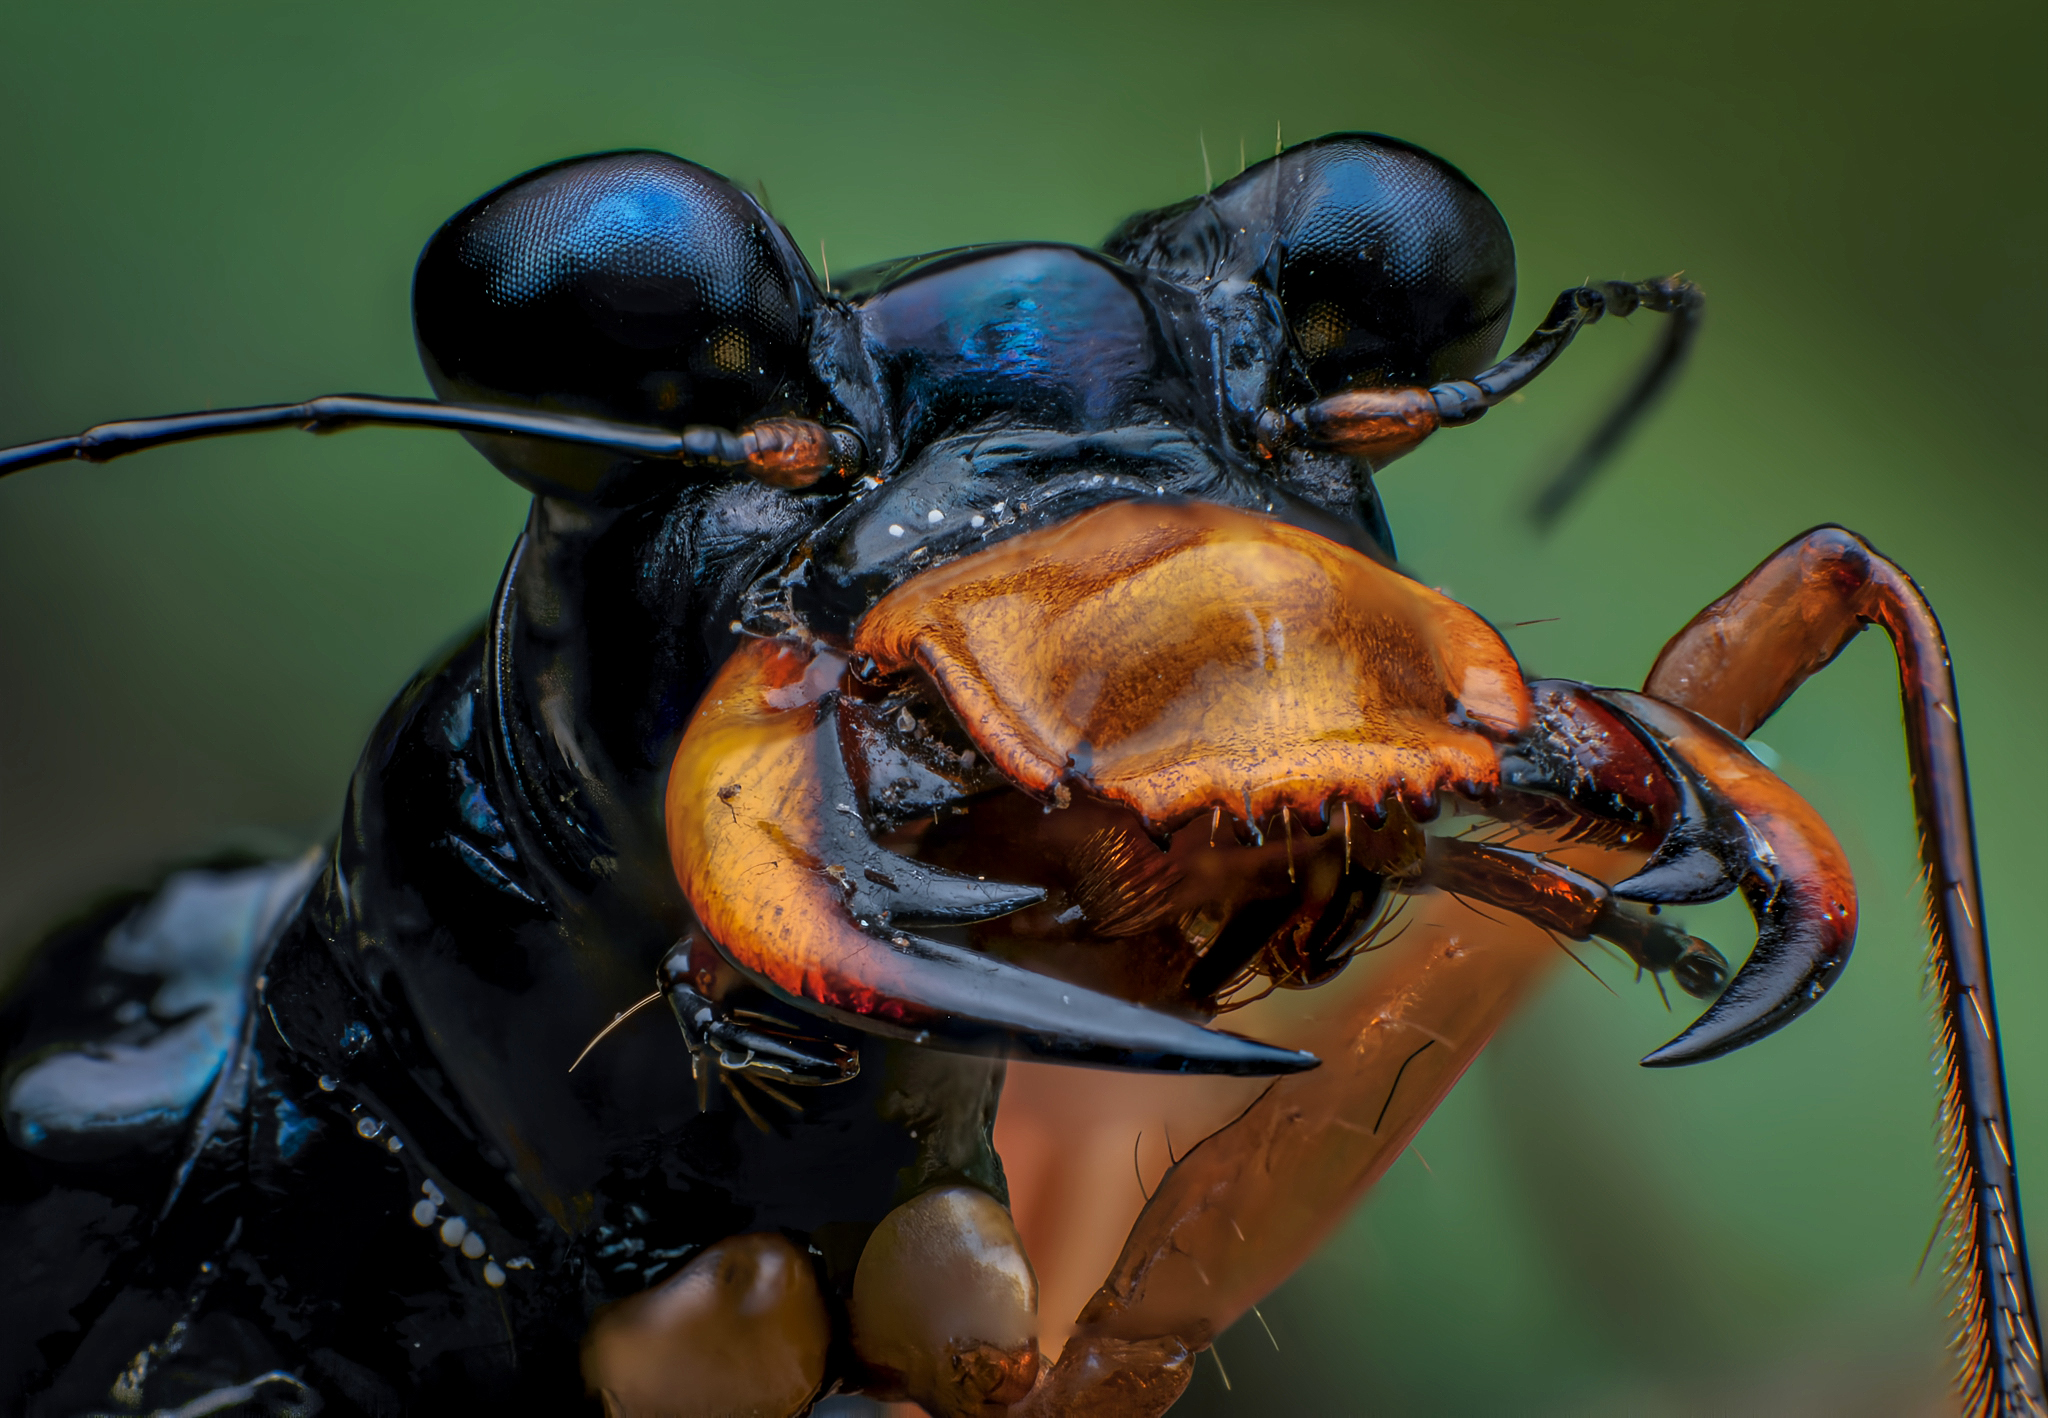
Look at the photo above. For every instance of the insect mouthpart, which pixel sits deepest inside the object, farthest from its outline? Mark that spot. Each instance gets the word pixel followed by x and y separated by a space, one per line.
pixel 1081 707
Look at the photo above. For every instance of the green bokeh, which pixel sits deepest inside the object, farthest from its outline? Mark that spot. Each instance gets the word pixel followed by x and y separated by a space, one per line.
pixel 221 204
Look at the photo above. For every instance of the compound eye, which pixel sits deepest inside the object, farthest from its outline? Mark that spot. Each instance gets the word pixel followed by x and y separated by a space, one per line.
pixel 630 286
pixel 1393 268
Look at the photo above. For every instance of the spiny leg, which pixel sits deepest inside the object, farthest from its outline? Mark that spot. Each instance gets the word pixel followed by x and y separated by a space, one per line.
pixel 1735 663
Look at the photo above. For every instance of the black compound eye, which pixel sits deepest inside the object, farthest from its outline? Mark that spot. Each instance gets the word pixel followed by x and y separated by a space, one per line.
pixel 1392 267
pixel 631 286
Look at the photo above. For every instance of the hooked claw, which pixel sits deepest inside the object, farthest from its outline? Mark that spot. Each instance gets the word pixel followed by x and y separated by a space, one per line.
pixel 1738 823
pixel 770 849
pixel 767 1050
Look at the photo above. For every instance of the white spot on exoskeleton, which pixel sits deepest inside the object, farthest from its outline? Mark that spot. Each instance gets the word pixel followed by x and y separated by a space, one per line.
pixel 473 1246
pixel 327 1085
pixel 423 1212
pixel 935 516
pixel 494 1274
pixel 453 1230
pixel 977 521
pixel 895 529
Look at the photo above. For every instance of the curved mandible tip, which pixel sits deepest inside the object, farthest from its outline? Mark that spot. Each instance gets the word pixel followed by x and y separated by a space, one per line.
pixel 767 841
pixel 1794 876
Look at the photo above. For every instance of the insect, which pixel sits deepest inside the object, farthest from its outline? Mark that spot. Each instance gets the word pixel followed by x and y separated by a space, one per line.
pixel 996 654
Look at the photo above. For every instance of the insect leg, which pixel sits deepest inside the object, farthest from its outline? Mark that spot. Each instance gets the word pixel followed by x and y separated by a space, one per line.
pixel 1735 663
pixel 1247 1205
pixel 1573 905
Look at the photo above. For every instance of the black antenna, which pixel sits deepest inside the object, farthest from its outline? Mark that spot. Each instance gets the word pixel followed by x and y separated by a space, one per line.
pixel 1687 307
pixel 333 413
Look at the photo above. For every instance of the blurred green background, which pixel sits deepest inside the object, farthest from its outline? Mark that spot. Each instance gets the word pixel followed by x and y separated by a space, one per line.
pixel 213 204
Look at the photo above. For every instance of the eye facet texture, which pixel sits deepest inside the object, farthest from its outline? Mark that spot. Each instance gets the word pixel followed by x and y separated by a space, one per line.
pixel 634 286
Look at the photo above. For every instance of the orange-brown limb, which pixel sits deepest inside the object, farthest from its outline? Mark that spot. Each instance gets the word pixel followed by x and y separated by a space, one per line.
pixel 1573 905
pixel 1735 663
pixel 1246 1206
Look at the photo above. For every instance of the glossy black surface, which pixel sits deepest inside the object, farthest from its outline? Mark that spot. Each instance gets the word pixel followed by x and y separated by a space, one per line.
pixel 633 286
pixel 1390 266
pixel 500 887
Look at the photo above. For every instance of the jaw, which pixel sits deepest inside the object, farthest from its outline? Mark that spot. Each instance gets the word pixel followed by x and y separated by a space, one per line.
pixel 1099 697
